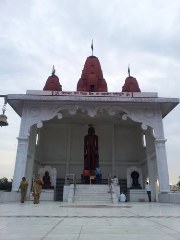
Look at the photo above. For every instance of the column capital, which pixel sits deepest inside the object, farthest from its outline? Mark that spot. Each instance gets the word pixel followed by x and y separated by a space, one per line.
pixel 160 140
pixel 23 138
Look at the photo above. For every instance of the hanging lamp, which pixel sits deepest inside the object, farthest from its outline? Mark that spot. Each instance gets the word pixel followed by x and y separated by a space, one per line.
pixel 3 117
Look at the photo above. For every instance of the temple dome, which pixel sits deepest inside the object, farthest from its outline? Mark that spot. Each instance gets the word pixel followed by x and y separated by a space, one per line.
pixel 131 85
pixel 52 83
pixel 92 77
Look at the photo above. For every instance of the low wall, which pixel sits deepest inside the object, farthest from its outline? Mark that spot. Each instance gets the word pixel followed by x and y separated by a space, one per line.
pixel 46 195
pixel 169 197
pixel 9 196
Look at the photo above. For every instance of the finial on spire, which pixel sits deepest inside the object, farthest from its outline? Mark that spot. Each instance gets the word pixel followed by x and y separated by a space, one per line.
pixel 129 70
pixel 53 70
pixel 92 47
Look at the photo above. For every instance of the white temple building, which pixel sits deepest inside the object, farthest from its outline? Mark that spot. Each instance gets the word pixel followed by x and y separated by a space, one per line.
pixel 128 123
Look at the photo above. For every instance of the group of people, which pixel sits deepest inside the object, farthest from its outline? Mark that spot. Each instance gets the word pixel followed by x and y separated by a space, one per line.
pixel 38 183
pixel 97 173
pixel 114 182
pixel 122 197
pixel 37 187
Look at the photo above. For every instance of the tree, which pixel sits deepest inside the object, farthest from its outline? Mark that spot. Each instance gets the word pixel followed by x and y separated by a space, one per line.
pixel 5 184
pixel 178 184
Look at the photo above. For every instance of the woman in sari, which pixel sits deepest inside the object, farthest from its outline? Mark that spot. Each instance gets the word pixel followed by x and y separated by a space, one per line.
pixel 37 187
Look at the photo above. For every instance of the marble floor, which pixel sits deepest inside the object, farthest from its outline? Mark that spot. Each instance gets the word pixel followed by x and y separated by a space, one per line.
pixel 63 221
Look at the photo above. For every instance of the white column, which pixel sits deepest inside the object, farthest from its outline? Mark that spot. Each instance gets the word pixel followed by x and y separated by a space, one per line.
pixel 68 154
pixel 162 167
pixel 21 159
pixel 30 156
pixel 151 163
pixel 113 160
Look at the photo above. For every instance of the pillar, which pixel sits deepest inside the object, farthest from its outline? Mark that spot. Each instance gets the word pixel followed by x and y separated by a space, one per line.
pixel 21 159
pixel 113 146
pixel 162 167
pixel 31 156
pixel 151 163
pixel 68 153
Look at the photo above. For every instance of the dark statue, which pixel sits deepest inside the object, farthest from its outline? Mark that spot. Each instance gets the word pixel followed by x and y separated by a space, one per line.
pixel 91 156
pixel 46 180
pixel 135 180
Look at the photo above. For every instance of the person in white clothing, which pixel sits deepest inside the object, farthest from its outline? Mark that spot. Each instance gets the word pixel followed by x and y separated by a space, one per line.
pixel 148 189
pixel 122 197
pixel 113 184
pixel 114 181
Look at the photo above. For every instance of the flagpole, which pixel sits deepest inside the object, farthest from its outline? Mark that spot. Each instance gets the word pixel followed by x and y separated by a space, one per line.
pixel 128 70
pixel 92 47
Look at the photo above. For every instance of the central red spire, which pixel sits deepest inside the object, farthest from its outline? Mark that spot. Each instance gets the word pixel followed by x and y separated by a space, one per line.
pixel 92 77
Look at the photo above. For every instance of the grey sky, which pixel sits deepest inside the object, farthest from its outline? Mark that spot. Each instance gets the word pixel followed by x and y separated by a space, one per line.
pixel 37 34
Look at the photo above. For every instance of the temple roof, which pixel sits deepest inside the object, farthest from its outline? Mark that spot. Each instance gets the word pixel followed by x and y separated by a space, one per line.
pixel 149 100
pixel 92 77
pixel 92 90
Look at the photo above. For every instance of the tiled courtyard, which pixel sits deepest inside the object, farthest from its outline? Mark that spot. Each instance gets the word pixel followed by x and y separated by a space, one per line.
pixel 63 221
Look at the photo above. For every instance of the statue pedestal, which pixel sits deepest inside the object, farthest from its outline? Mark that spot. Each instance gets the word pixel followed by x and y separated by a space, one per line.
pixel 137 195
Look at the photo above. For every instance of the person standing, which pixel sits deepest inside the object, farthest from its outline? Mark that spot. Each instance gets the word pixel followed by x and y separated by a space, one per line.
pixel 113 184
pixel 23 187
pixel 37 187
pixel 115 181
pixel 86 176
pixel 148 189
pixel 98 175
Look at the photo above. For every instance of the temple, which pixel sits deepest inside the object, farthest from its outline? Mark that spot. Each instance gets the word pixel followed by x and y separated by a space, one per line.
pixel 127 125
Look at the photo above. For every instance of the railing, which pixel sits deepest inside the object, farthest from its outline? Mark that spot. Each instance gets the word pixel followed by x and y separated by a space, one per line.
pixel 110 185
pixel 71 179
pixel 109 178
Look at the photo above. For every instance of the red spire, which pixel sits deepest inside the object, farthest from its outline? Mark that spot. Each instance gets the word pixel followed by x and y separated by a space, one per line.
pixel 131 85
pixel 92 77
pixel 52 83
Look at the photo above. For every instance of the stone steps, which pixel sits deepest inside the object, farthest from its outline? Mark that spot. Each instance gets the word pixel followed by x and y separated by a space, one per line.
pixel 95 194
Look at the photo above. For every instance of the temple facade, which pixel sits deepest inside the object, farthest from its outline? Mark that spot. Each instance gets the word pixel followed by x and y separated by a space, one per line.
pixel 128 123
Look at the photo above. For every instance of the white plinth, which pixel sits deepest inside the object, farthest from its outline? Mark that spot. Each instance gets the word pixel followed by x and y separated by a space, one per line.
pixel 138 195
pixel 46 195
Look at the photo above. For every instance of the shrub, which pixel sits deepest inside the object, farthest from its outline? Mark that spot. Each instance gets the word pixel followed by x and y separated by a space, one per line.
pixel 5 184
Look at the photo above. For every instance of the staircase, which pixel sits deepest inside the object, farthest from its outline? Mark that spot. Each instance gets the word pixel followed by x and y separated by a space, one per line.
pixel 92 194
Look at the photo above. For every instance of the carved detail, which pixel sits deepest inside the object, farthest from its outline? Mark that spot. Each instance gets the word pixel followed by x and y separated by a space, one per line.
pixel 144 126
pixel 40 124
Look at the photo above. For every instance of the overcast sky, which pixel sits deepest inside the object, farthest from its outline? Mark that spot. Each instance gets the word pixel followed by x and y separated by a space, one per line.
pixel 37 34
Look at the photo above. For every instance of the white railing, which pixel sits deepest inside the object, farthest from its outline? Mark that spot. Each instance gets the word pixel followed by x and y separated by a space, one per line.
pixel 71 179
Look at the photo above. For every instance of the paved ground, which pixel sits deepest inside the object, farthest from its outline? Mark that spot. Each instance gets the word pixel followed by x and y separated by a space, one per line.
pixel 56 220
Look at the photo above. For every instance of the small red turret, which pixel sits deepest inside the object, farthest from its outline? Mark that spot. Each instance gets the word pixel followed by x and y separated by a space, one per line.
pixel 131 84
pixel 52 83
